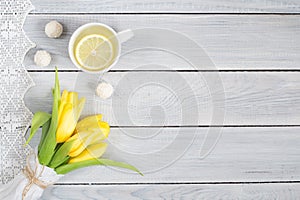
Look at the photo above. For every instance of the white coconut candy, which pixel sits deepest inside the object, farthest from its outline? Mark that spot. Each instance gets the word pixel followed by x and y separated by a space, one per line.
pixel 42 58
pixel 53 29
pixel 104 90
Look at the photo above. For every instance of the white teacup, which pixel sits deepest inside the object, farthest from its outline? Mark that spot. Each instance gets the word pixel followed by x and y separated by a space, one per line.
pixel 114 39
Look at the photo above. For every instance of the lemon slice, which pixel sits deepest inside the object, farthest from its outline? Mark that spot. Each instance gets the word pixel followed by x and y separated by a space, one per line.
pixel 93 51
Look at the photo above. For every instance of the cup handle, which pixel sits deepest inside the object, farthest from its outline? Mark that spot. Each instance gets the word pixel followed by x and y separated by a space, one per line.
pixel 125 35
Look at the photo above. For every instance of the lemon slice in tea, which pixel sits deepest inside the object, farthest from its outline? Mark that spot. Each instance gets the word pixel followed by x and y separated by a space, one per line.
pixel 93 52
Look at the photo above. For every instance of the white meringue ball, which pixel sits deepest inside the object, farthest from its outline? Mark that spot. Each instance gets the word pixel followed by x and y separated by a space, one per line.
pixel 42 58
pixel 104 90
pixel 53 29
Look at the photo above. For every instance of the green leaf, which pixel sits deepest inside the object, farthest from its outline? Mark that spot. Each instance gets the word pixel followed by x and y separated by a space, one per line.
pixel 39 119
pixel 45 129
pixel 61 155
pixel 113 163
pixel 106 162
pixel 48 147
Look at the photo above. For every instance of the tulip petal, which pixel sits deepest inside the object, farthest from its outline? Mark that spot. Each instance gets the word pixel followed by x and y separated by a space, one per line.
pixel 87 121
pixel 79 108
pixel 72 98
pixel 62 104
pixel 80 148
pixel 104 128
pixel 76 142
pixel 67 124
pixel 92 151
pixel 92 125
pixel 83 140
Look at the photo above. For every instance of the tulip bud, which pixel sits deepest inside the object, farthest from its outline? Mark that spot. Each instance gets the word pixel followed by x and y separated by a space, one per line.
pixel 88 131
pixel 68 114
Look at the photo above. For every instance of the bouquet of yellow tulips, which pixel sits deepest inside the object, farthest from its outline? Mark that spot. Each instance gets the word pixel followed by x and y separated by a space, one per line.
pixel 66 144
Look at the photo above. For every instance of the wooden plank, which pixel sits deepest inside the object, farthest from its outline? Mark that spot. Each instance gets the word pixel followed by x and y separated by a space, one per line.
pixel 135 192
pixel 232 42
pixel 181 98
pixel 172 155
pixel 170 6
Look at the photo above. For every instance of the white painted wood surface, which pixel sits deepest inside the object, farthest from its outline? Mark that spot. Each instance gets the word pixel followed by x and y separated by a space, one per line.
pixel 236 42
pixel 190 191
pixel 169 6
pixel 253 98
pixel 232 42
pixel 172 155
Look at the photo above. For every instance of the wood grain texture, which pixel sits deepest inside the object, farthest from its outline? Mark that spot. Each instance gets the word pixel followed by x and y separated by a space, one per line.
pixel 172 155
pixel 180 98
pixel 190 6
pixel 232 42
pixel 184 192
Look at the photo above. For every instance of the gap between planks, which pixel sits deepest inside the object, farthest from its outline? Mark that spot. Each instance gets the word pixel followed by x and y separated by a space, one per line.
pixel 160 13
pixel 112 71
pixel 186 183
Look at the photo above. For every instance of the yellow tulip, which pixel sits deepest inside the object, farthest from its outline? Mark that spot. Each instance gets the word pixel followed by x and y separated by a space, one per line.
pixel 88 131
pixel 99 128
pixel 68 114
pixel 92 151
pixel 77 142
pixel 82 140
pixel 88 121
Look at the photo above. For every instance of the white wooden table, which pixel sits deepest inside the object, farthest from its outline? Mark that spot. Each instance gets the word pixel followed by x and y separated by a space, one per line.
pixel 255 45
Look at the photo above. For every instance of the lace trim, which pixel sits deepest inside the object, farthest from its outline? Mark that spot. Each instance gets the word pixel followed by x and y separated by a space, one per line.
pixel 15 81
